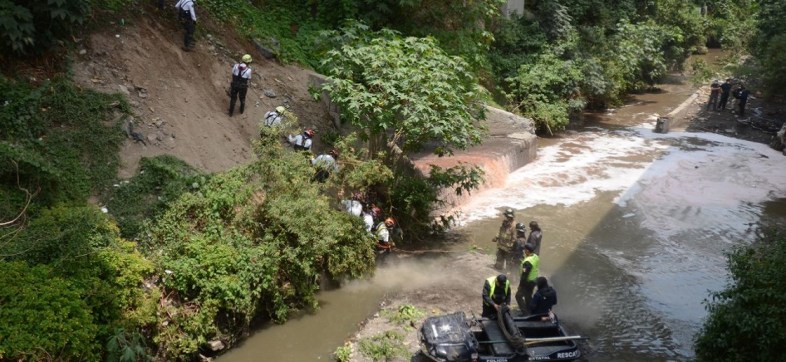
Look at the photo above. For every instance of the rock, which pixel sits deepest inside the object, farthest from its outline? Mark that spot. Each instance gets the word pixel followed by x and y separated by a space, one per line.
pixel 203 358
pixel 82 52
pixel 160 136
pixel 270 93
pixel 269 48
pixel 216 345
pixel 151 137
pixel 123 89
pixel 142 92
pixel 158 122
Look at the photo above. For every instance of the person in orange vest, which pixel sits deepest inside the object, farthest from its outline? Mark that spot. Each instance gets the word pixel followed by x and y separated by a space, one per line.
pixel 496 293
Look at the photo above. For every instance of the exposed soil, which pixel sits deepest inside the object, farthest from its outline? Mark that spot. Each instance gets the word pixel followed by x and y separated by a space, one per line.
pixel 180 99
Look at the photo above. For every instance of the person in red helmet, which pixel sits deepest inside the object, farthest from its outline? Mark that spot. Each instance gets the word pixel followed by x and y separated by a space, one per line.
pixel 302 142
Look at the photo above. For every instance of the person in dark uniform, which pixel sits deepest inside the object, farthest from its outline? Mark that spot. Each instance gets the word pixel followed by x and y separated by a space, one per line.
pixel 714 94
pixel 725 91
pixel 529 273
pixel 187 15
pixel 535 236
pixel 742 98
pixel 517 253
pixel 241 73
pixel 496 292
pixel 544 299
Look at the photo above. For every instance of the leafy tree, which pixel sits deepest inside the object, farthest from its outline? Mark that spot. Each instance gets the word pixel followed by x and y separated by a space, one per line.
pixel 770 43
pixel 34 26
pixel 403 92
pixel 747 320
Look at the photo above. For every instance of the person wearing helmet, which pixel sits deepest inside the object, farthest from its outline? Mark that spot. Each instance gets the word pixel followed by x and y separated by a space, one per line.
pixel 384 243
pixel 187 14
pixel 504 239
pixel 302 142
pixel 517 252
pixel 325 164
pixel 241 73
pixel 274 118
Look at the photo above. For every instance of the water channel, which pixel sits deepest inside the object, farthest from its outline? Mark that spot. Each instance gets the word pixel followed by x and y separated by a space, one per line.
pixel 635 229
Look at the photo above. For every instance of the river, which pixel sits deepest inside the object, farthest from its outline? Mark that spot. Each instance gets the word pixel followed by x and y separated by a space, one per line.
pixel 635 227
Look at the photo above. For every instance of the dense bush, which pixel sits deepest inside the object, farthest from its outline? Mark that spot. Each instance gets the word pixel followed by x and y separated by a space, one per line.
pixel 253 241
pixel 747 320
pixel 33 26
pixel 770 44
pixel 57 140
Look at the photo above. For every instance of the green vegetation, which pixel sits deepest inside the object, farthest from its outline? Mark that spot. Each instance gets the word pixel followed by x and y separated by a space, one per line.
pixel 769 45
pixel 383 346
pixel 342 353
pixel 747 320
pixel 406 315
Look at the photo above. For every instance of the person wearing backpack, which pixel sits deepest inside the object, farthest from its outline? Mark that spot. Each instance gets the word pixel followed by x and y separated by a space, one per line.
pixel 274 118
pixel 187 15
pixel 241 73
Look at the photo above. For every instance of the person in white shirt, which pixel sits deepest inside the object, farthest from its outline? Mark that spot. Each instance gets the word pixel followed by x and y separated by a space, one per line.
pixel 187 14
pixel 274 118
pixel 241 73
pixel 325 164
pixel 302 142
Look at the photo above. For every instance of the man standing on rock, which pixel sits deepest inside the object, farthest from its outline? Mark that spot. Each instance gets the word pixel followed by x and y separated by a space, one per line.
pixel 742 98
pixel 187 15
pixel 725 90
pixel 241 73
pixel 504 240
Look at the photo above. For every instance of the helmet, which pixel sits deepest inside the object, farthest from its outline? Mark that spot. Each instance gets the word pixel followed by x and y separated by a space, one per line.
pixel 246 58
pixel 520 227
pixel 389 222
pixel 280 109
pixel 309 132
pixel 509 213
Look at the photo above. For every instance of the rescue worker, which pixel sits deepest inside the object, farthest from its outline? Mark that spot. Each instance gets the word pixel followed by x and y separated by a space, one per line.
pixel 725 91
pixel 742 98
pixel 325 165
pixel 544 299
pixel 302 142
pixel 517 253
pixel 384 243
pixel 274 118
pixel 504 239
pixel 187 15
pixel 241 73
pixel 535 236
pixel 496 293
pixel 529 273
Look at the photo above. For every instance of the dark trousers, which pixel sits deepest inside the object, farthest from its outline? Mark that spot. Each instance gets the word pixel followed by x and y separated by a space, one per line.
pixel 524 295
pixel 190 27
pixel 741 104
pixel 724 98
pixel 506 259
pixel 233 95
pixel 712 102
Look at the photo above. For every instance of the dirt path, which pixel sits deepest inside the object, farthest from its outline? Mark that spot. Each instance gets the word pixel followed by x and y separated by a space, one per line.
pixel 180 98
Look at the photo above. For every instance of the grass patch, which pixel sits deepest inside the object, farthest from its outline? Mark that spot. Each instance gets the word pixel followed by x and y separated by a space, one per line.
pixel 383 346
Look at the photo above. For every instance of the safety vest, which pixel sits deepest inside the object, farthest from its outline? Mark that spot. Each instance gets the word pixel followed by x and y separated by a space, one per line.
pixel 493 283
pixel 534 260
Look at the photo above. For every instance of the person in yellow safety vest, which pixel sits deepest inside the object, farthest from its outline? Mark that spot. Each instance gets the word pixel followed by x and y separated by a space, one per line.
pixel 529 273
pixel 496 292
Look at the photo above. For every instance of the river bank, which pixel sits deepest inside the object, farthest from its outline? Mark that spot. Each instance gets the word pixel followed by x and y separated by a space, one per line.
pixel 458 278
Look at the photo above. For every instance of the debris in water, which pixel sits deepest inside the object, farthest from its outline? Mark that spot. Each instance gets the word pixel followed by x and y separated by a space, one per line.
pixel 628 215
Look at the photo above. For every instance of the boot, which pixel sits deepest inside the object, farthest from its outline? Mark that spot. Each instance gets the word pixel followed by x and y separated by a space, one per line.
pixel 242 107
pixel 231 111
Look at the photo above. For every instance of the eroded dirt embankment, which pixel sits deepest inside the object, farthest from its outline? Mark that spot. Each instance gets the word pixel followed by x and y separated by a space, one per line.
pixel 180 98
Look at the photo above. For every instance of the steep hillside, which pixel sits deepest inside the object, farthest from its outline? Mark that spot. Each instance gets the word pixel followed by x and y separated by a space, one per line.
pixel 181 98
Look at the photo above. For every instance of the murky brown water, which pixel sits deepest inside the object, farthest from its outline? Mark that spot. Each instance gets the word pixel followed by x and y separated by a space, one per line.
pixel 635 229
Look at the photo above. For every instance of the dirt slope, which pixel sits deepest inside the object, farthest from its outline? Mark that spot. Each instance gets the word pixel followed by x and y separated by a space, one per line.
pixel 180 98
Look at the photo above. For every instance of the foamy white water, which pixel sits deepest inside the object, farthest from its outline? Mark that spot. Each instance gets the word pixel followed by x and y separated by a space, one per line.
pixel 674 182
